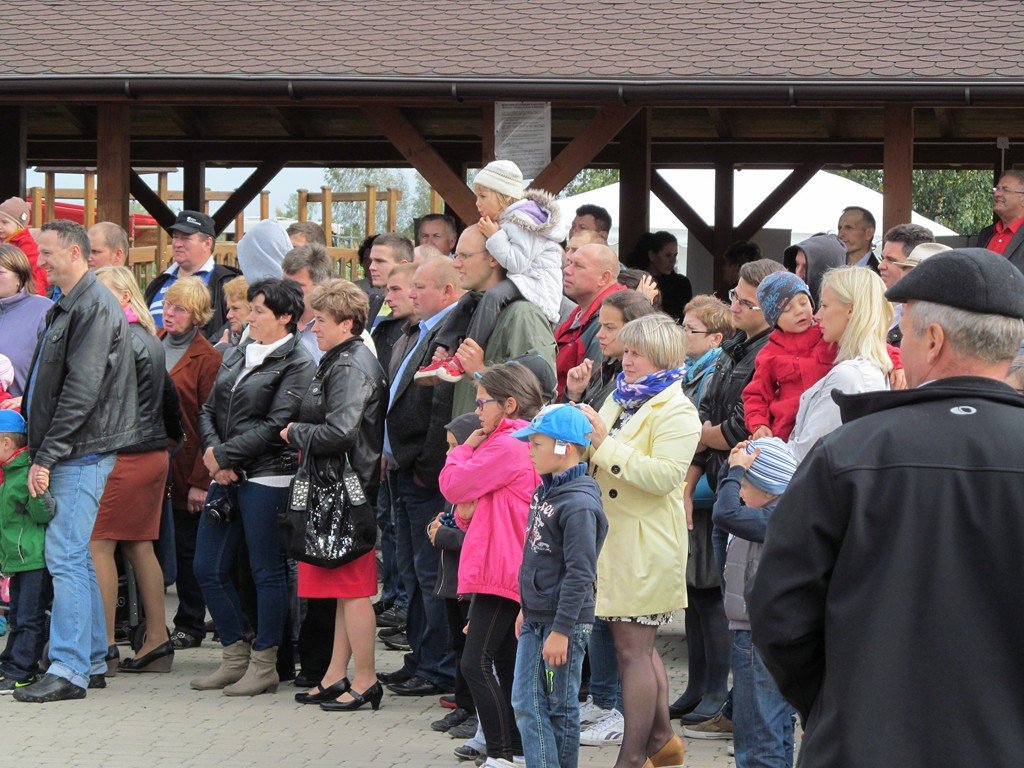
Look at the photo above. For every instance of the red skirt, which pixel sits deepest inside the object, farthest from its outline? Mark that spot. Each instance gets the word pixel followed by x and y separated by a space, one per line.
pixel 133 498
pixel 355 579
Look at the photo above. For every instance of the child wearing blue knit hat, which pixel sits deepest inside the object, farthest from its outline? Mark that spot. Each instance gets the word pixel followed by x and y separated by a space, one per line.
pixel 759 472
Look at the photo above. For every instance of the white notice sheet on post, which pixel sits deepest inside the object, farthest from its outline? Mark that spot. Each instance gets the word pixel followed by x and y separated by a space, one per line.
pixel 522 134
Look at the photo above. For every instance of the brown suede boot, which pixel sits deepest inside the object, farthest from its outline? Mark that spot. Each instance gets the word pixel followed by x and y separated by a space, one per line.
pixel 260 677
pixel 232 667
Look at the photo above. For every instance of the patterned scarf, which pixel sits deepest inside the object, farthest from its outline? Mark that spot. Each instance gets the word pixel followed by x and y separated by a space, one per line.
pixel 631 396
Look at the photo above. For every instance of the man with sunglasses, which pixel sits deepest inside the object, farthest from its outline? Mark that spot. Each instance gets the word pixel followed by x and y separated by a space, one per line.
pixel 1006 236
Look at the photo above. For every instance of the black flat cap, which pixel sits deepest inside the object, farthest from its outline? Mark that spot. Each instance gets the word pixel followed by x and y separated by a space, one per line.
pixel 975 279
pixel 191 222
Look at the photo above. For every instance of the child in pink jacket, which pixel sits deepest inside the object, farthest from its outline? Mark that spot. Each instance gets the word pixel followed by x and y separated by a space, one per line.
pixel 490 480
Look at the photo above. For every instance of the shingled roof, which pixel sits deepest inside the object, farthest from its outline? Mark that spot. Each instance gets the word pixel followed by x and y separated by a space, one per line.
pixel 412 43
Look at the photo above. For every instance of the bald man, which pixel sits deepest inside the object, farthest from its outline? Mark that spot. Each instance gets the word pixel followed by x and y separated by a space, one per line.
pixel 108 245
pixel 590 274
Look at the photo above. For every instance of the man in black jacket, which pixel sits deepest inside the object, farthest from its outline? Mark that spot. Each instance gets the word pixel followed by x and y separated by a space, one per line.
pixel 887 602
pixel 82 405
pixel 1006 236
pixel 192 240
pixel 415 442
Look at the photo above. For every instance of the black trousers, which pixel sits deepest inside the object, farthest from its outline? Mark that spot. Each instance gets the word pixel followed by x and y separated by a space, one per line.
pixel 458 615
pixel 316 638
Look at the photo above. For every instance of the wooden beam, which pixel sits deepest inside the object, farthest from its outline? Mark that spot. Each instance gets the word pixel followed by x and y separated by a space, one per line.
pixel 720 120
pixel 113 161
pixel 50 199
pixel 725 234
pixel 81 118
pixel 193 184
pixel 151 201
pixel 90 200
pixel 946 119
pixel 370 226
pixel 833 122
pixel 13 149
pixel 898 165
pixel 772 204
pixel 187 121
pixel 487 133
pixel 584 148
pixel 287 119
pixel 634 180
pixel 697 228
pixel 424 158
pixel 262 175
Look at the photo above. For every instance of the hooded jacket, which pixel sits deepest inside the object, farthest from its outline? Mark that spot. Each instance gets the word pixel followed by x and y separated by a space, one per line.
pixel 23 519
pixel 566 530
pixel 23 240
pixel 528 247
pixel 22 320
pixel 499 476
pixel 823 252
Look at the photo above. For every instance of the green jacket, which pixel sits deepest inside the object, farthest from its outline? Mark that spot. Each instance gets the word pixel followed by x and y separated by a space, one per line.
pixel 521 330
pixel 22 520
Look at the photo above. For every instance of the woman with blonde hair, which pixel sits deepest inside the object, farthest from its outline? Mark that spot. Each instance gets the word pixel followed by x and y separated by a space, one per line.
pixel 134 495
pixel 192 363
pixel 853 314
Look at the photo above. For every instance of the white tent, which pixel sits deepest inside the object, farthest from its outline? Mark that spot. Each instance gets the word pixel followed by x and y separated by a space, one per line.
pixel 815 208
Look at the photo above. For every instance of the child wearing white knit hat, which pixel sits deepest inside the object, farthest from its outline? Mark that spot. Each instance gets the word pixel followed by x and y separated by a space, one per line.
pixel 524 231
pixel 6 377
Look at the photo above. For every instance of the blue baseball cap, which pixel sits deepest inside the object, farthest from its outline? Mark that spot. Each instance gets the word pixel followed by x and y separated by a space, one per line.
pixel 565 423
pixel 12 421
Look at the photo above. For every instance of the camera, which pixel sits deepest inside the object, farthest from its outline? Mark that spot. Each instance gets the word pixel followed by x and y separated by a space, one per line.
pixel 219 510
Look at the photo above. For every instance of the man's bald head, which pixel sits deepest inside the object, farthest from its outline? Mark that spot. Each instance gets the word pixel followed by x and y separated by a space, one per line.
pixel 108 245
pixel 589 271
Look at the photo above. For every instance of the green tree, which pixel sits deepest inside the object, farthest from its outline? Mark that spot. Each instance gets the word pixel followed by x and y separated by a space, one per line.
pixel 588 179
pixel 960 200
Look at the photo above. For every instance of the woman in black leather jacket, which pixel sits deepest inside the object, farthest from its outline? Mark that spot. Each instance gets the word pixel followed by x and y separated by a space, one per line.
pixel 342 420
pixel 257 393
pixel 133 498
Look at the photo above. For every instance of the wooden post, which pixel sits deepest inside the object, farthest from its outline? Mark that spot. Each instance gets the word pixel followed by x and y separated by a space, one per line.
pixel 371 210
pixel 436 201
pixel 206 200
pixel 634 180
pixel 723 234
pixel 13 151
pixel 50 199
pixel 303 205
pixel 162 239
pixel 898 165
pixel 193 183
pixel 239 226
pixel 113 161
pixel 392 209
pixel 36 193
pixel 264 205
pixel 327 220
pixel 487 134
pixel 90 200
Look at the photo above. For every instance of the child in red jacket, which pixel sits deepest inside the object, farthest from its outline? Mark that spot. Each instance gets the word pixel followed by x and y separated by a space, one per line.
pixel 14 218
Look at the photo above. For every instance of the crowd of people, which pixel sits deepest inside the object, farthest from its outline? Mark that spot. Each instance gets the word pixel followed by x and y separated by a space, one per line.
pixel 533 456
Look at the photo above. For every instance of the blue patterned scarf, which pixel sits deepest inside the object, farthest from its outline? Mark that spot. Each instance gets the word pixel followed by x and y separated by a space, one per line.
pixel 631 396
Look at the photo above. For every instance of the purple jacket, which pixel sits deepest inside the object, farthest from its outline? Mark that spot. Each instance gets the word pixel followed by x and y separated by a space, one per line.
pixel 22 321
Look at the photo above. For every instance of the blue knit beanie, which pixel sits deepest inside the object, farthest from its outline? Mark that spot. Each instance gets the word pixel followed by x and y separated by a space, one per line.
pixel 774 466
pixel 776 291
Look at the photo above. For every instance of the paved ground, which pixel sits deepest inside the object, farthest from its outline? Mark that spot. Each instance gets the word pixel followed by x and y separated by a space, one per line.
pixel 157 721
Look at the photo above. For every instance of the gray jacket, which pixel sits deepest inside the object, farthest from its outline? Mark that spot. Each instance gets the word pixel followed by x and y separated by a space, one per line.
pixel 84 394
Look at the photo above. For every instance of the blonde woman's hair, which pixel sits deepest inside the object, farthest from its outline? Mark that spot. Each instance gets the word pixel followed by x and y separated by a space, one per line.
pixel 122 280
pixel 870 317
pixel 658 338
pixel 192 294
pixel 237 288
pixel 342 300
pixel 713 313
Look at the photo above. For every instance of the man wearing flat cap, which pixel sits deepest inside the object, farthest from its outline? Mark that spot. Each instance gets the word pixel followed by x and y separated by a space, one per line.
pixel 192 241
pixel 887 601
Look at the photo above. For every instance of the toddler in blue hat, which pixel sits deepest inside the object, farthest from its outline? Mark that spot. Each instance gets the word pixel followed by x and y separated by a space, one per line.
pixel 565 531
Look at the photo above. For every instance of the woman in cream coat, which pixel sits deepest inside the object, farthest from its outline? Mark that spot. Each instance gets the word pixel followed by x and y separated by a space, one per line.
pixel 642 444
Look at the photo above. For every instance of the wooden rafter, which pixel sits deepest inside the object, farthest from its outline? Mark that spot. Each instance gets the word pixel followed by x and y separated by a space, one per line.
pixel 150 200
pixel 424 158
pixel 287 119
pixel 772 204
pixel 187 121
pixel 833 122
pixel 584 148
pixel 82 118
pixel 682 210
pixel 946 119
pixel 719 118
pixel 246 193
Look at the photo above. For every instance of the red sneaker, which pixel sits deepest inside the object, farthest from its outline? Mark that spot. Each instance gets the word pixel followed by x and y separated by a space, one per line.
pixel 428 373
pixel 451 370
pixel 448 702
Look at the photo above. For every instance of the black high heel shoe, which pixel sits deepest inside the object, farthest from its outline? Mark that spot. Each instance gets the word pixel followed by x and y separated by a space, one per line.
pixel 322 694
pixel 157 660
pixel 371 695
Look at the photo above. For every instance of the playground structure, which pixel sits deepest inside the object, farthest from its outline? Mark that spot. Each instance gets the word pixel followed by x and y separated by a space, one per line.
pixel 150 251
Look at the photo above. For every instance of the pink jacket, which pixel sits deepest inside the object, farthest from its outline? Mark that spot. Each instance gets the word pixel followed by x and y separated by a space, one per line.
pixel 499 476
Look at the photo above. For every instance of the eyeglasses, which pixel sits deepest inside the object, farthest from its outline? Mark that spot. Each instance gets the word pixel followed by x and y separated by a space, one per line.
pixel 460 256
pixel 902 264
pixel 688 329
pixel 735 299
pixel 1007 191
pixel 481 403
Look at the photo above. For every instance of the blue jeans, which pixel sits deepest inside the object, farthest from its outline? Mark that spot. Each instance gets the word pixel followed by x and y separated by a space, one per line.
pixel 78 627
pixel 546 699
pixel 762 720
pixel 392 590
pixel 431 657
pixel 257 508
pixel 31 592
pixel 604 670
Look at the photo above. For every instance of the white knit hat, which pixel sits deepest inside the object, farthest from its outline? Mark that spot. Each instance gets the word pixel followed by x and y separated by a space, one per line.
pixel 6 372
pixel 503 176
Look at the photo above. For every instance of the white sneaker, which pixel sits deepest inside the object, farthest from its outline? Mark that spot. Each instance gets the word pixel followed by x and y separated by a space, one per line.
pixel 590 713
pixel 730 751
pixel 497 762
pixel 606 732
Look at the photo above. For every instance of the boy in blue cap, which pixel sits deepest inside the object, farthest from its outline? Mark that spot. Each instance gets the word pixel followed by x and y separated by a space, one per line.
pixel 23 520
pixel 565 531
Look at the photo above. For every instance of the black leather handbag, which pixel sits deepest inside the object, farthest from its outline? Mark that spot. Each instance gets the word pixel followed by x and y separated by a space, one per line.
pixel 329 518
